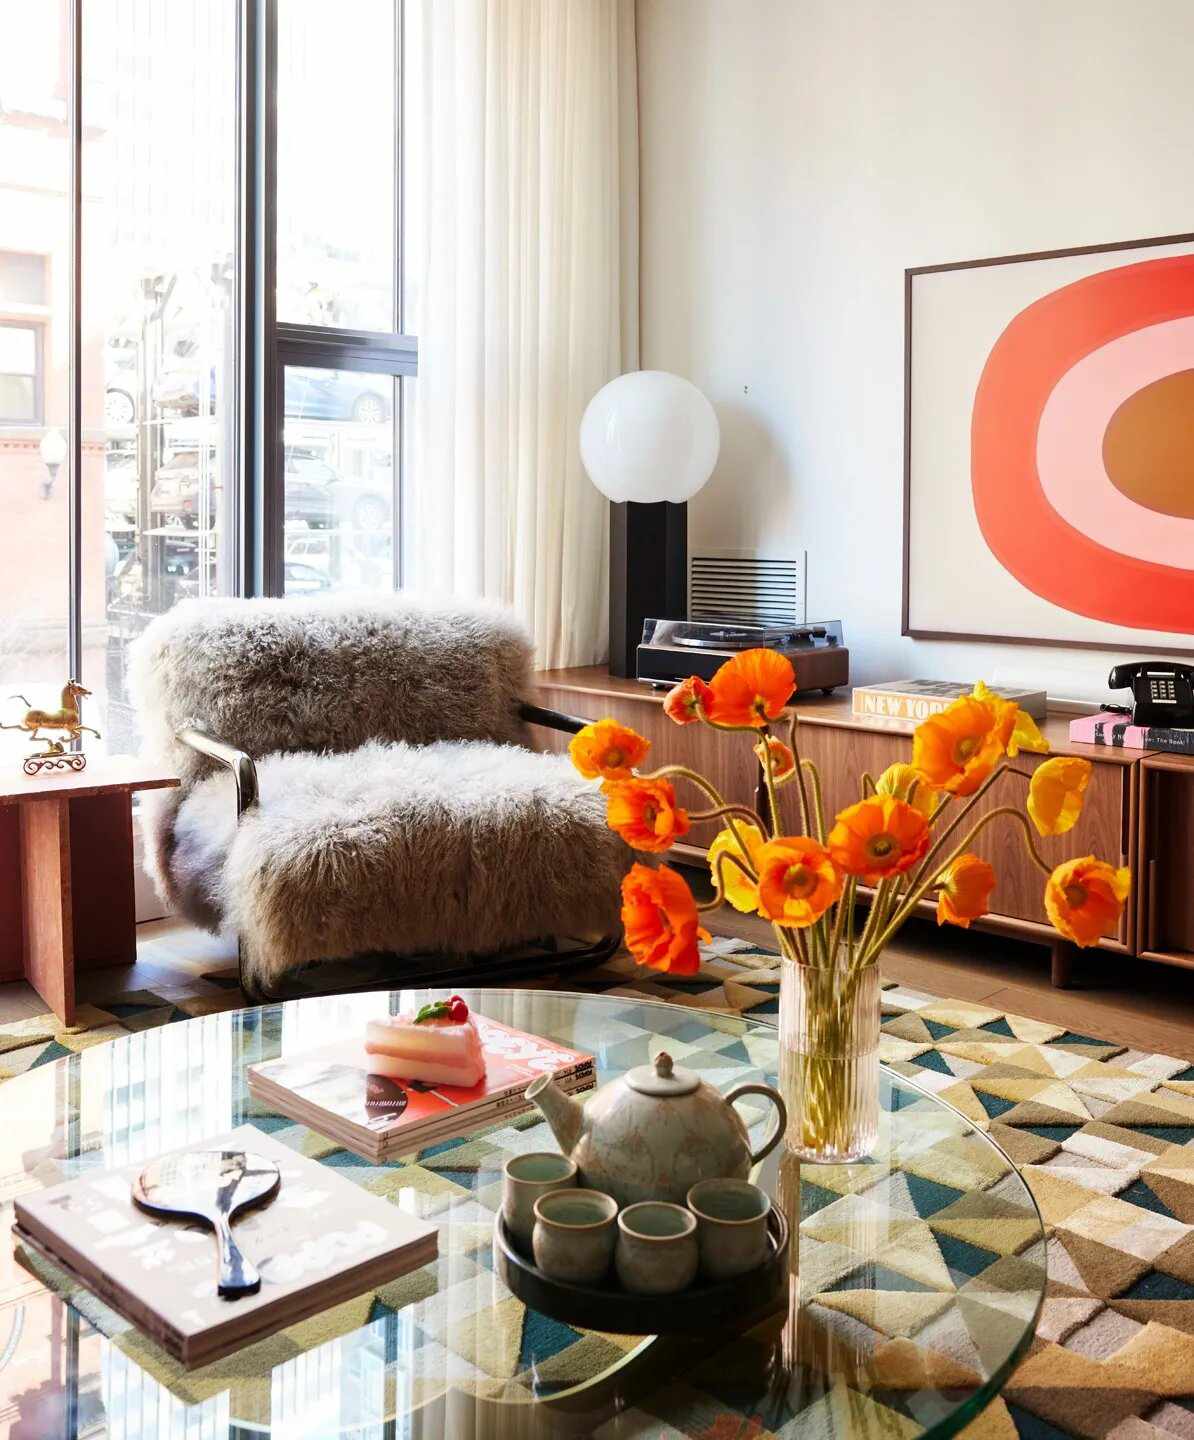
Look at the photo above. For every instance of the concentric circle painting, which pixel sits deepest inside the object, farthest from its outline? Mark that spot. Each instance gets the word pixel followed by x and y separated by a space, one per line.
pixel 1050 448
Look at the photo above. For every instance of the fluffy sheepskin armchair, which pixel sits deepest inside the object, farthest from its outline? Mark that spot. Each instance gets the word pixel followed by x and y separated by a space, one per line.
pixel 356 779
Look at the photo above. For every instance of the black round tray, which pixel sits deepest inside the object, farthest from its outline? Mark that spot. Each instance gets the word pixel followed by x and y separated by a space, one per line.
pixel 608 1307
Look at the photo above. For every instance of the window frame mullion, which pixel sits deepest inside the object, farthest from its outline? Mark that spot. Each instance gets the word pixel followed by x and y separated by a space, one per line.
pixel 74 366
pixel 285 344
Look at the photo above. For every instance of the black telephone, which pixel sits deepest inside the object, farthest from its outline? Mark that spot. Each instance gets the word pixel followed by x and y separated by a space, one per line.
pixel 1162 695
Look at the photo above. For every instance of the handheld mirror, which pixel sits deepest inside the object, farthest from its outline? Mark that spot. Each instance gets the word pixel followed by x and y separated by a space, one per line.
pixel 213 1186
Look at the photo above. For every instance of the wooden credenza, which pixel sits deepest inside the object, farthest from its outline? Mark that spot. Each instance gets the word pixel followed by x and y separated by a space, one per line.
pixel 1139 807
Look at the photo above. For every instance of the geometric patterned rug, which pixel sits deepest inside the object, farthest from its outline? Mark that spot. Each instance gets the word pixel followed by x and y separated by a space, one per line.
pixel 1104 1137
pixel 1103 1134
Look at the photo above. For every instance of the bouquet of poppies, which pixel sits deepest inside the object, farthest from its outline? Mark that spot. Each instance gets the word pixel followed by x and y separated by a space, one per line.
pixel 907 837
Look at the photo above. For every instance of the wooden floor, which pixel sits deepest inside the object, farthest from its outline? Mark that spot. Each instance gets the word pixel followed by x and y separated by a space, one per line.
pixel 1118 998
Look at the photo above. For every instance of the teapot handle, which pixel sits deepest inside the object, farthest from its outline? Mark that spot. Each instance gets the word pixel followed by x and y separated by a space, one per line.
pixel 781 1116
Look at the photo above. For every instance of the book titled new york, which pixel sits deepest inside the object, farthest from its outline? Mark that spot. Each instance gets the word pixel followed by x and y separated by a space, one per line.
pixel 915 700
pixel 1109 727
pixel 320 1241
pixel 332 1090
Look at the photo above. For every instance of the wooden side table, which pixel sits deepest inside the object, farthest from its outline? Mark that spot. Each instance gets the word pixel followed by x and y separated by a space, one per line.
pixel 66 871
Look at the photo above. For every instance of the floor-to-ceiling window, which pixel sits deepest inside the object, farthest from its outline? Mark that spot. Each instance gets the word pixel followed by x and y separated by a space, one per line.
pixel 342 358
pixel 159 371
pixel 142 162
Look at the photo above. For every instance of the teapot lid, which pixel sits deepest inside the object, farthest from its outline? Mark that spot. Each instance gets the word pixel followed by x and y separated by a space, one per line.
pixel 662 1078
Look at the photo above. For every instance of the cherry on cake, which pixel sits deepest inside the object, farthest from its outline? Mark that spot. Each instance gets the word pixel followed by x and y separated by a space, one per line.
pixel 440 1045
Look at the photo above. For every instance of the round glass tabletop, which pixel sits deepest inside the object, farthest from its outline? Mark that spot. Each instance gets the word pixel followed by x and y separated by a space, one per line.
pixel 916 1284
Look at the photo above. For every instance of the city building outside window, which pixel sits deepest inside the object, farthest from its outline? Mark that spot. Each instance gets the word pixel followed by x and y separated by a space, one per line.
pixel 20 373
pixel 160 135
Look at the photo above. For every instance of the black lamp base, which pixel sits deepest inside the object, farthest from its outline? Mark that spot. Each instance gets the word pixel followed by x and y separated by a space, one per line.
pixel 648 574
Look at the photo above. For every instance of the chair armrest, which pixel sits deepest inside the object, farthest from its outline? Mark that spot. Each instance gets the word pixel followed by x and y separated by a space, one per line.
pixel 244 772
pixel 552 719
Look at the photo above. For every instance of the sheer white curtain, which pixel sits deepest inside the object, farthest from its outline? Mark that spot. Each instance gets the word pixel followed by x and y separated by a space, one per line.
pixel 522 266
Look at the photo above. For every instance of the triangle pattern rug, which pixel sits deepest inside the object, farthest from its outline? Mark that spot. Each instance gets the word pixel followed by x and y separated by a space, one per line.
pixel 1104 1136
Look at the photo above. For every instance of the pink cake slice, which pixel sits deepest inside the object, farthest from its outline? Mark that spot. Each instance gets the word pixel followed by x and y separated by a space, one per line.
pixel 440 1052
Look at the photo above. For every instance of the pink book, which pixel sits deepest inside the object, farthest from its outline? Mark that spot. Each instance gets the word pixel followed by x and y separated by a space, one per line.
pixel 1108 727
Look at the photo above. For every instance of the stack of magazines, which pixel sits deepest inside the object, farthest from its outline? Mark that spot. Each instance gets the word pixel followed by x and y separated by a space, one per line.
pixel 331 1090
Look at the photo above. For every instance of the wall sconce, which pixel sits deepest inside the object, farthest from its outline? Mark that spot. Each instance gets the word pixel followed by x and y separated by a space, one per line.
pixel 53 453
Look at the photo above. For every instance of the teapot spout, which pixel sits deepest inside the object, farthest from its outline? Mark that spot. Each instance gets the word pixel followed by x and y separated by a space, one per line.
pixel 562 1112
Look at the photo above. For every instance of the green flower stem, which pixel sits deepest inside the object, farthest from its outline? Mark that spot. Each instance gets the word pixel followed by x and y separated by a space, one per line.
pixel 769 777
pixel 878 902
pixel 814 776
pixel 845 902
pixel 719 881
pixel 867 784
pixel 915 894
pixel 729 729
pixel 713 794
pixel 743 811
pixel 792 944
pixel 793 722
pixel 813 936
pixel 924 867
pixel 826 1062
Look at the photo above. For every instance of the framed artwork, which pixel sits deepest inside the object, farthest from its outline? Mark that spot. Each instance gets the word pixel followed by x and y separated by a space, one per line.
pixel 1049 448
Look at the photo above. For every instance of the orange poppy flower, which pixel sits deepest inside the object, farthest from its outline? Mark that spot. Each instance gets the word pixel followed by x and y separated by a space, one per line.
pixel 644 813
pixel 959 747
pixel 1084 898
pixel 906 782
pixel 965 891
pixel 879 836
pixel 752 688
pixel 1055 793
pixel 606 750
pixel 684 702
pixel 660 918
pixel 739 889
pixel 783 762
pixel 798 881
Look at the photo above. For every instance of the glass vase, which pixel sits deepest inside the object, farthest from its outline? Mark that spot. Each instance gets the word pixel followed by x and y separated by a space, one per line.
pixel 829 1060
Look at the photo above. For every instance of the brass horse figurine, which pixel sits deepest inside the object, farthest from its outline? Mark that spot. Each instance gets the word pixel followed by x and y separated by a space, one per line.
pixel 67 720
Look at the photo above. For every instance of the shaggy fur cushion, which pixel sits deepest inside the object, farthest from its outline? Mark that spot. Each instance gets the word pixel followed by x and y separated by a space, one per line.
pixel 328 673
pixel 398 811
pixel 459 846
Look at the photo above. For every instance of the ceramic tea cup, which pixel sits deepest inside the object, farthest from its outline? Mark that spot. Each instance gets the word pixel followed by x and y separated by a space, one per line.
pixel 574 1234
pixel 524 1179
pixel 731 1226
pixel 657 1248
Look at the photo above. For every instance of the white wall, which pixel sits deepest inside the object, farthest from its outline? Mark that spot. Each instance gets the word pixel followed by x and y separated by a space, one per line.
pixel 797 155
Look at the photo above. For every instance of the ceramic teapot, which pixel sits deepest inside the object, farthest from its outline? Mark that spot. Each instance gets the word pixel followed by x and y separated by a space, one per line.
pixel 652 1134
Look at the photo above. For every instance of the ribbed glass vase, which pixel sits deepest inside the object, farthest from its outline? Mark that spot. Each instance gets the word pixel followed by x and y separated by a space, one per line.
pixel 829 1060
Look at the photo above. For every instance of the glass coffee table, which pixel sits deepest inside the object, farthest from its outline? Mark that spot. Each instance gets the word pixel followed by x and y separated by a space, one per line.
pixel 921 1271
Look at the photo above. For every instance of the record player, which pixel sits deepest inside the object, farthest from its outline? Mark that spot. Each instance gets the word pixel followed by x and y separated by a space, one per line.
pixel 671 650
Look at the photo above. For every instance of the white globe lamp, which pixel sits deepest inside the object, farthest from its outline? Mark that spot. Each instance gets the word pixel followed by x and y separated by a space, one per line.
pixel 649 441
pixel 649 436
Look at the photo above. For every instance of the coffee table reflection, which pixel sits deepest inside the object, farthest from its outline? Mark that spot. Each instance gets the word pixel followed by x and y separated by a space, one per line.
pixel 920 1271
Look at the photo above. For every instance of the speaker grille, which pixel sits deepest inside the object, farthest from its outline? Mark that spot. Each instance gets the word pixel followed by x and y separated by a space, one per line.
pixel 742 586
